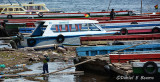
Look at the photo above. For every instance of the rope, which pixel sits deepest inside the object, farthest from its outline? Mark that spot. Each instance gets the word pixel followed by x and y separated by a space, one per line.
pixel 92 59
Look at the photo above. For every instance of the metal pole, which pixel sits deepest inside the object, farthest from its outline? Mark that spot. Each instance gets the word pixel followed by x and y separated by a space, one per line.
pixel 141 7
pixel 9 2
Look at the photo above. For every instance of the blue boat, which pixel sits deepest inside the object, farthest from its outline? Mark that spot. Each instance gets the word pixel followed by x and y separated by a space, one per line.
pixel 102 50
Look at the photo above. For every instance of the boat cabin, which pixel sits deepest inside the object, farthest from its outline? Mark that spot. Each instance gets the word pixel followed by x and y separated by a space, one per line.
pixel 67 27
pixel 35 7
pixel 23 8
pixel 12 10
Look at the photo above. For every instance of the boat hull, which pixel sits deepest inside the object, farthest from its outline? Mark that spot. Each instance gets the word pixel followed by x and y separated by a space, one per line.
pixel 103 50
pixel 122 58
pixel 39 41
pixel 138 67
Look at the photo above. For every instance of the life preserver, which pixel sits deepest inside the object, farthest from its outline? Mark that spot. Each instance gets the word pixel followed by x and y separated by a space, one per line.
pixel 150 63
pixel 155 30
pixel 31 42
pixel 9 16
pixel 40 15
pixel 123 31
pixel 60 38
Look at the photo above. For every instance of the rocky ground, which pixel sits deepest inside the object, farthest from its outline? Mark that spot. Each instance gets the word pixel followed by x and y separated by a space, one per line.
pixel 16 60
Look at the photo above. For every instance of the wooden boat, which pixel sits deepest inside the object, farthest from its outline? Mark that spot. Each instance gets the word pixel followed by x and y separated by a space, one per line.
pixel 64 15
pixel 102 50
pixel 143 57
pixel 62 31
pixel 120 37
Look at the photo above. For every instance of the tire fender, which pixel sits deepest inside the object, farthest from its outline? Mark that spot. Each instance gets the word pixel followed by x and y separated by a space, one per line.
pixel 150 63
pixel 31 42
pixel 123 31
pixel 9 16
pixel 40 15
pixel 156 30
pixel 60 38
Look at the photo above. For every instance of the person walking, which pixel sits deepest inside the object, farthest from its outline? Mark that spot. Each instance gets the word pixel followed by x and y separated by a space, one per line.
pixel 45 63
pixel 112 14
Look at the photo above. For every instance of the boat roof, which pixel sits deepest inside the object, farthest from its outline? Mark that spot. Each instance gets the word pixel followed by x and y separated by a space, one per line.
pixel 51 22
pixel 23 4
pixel 11 6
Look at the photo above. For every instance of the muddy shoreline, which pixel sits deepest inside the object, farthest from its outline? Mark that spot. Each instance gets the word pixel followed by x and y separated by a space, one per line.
pixel 15 61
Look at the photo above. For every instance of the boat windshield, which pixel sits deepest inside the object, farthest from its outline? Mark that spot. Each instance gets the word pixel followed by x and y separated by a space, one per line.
pixel 74 27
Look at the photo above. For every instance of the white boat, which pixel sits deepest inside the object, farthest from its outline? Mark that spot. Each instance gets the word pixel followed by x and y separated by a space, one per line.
pixel 63 32
pixel 30 8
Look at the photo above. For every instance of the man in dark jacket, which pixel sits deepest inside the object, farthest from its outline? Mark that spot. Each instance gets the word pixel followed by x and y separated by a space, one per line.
pixel 112 14
pixel 45 64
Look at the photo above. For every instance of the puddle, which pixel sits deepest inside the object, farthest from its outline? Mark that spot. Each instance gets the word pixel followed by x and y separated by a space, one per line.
pixel 52 66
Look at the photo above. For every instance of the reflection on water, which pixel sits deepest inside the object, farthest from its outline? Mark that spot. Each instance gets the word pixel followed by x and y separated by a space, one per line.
pixel 53 66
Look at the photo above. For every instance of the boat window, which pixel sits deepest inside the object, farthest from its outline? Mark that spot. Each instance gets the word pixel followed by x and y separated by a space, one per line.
pixel 38 7
pixel 30 8
pixel 10 9
pixel 74 27
pixel 89 27
pixel 5 9
pixel 61 28
pixel 68 27
pixel 16 9
pixel 21 9
pixel 42 8
pixel 1 9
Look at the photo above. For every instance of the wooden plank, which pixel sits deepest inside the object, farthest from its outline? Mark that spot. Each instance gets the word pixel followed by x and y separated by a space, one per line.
pixel 5 38
pixel 43 46
pixel 126 68
pixel 95 42
pixel 37 74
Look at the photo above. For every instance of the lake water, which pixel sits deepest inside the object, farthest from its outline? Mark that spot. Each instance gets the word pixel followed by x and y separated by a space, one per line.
pixel 93 5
